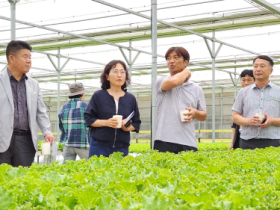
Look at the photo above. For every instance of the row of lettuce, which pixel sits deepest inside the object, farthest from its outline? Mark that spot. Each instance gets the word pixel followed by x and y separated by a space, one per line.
pixel 145 147
pixel 215 179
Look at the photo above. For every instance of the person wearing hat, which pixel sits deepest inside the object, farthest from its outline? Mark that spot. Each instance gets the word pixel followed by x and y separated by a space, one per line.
pixel 74 132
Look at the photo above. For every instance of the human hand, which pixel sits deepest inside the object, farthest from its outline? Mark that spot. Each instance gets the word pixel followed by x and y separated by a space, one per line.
pixel 49 138
pixel 267 122
pixel 254 121
pixel 129 128
pixel 190 115
pixel 112 122
pixel 230 146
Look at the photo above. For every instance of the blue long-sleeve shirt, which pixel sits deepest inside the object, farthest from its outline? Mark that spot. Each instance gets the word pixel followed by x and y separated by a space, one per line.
pixel 102 107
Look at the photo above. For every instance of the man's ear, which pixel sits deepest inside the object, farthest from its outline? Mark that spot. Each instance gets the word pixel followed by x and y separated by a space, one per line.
pixel 186 62
pixel 271 70
pixel 11 58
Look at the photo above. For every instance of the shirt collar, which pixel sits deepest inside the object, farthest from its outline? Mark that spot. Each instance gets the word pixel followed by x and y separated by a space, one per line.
pixel 75 99
pixel 269 84
pixel 24 76
pixel 187 83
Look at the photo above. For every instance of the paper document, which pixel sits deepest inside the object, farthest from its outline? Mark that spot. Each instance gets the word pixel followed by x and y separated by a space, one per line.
pixel 129 117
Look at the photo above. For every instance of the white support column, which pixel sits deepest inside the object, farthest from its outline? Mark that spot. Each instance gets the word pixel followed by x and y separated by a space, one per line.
pixel 235 82
pixel 221 103
pixel 130 66
pixel 13 18
pixel 58 95
pixel 154 71
pixel 213 89
pixel 49 108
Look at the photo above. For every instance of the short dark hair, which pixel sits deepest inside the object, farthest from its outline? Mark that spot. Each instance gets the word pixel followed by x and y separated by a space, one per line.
pixel 16 45
pixel 76 96
pixel 247 72
pixel 105 84
pixel 179 51
pixel 264 57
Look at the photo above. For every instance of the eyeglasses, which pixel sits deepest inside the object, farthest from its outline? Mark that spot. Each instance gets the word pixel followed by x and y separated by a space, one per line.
pixel 117 72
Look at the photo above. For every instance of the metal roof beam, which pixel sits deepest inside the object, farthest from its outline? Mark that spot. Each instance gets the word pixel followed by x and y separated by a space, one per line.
pixel 51 60
pixel 175 26
pixel 75 35
pixel 139 51
pixel 66 62
pixel 232 80
pixel 268 6
pixel 104 42
pixel 135 58
pixel 49 70
pixel 124 55
pixel 218 50
pixel 208 47
pixel 62 56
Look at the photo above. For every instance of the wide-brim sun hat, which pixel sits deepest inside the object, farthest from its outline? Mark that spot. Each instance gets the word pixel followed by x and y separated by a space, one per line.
pixel 76 88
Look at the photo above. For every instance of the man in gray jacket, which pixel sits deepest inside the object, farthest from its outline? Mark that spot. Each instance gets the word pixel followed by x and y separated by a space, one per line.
pixel 21 107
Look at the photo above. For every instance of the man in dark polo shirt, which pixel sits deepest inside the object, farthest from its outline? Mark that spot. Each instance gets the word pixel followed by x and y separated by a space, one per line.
pixel 21 107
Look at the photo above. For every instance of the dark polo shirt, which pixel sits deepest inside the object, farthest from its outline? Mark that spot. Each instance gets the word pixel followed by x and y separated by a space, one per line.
pixel 20 102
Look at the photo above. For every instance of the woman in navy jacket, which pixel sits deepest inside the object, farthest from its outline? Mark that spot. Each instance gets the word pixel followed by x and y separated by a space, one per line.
pixel 111 100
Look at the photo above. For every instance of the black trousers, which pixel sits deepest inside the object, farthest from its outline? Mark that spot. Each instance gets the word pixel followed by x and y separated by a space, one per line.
pixel 162 146
pixel 258 143
pixel 21 151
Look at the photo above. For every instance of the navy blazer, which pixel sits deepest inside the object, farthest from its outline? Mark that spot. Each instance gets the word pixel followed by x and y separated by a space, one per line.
pixel 102 107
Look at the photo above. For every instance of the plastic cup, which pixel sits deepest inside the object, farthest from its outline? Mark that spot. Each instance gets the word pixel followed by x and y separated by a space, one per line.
pixel 46 148
pixel 119 118
pixel 182 112
pixel 261 117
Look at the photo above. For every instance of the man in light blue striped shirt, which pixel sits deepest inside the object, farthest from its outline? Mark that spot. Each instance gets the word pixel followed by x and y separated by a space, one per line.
pixel 261 97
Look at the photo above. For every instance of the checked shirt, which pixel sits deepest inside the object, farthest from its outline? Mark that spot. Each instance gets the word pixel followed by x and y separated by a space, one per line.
pixel 74 131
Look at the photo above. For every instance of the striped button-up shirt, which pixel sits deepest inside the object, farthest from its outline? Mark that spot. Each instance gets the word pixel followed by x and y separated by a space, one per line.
pixel 20 102
pixel 251 100
pixel 74 131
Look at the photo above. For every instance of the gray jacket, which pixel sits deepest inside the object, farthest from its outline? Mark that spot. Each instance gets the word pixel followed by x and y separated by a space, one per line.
pixel 36 111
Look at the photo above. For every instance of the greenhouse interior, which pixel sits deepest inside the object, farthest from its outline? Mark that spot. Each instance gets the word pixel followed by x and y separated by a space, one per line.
pixel 246 29
pixel 73 40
